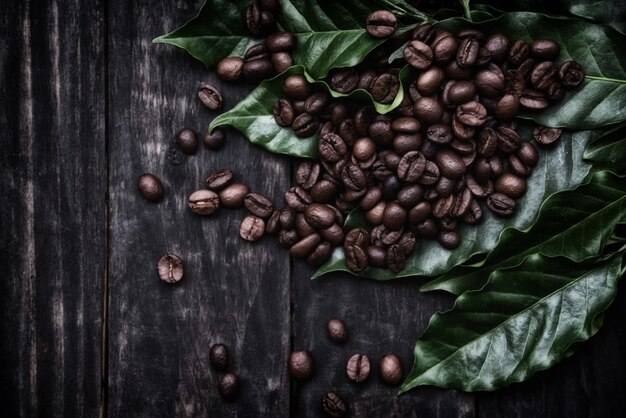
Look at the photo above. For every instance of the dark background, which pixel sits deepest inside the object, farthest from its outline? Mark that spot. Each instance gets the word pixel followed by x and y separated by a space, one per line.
pixel 87 328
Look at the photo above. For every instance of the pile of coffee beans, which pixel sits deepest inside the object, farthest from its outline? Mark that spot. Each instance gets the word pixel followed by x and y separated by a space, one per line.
pixel 265 59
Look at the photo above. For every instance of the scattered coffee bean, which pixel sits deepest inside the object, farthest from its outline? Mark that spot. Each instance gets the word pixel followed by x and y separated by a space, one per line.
pixel 228 386
pixel 230 68
pixel 546 136
pixel 218 355
pixel 150 187
pixel 233 196
pixel 187 141
pixel 337 330
pixel 214 140
pixel 170 268
pixel 333 405
pixel 381 24
pixel 219 179
pixel 301 365
pixel 210 97
pixel 258 205
pixel 204 202
pixel 252 228
pixel 390 369
pixel 358 368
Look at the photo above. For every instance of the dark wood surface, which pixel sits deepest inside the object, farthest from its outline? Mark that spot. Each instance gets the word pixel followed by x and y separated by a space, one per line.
pixel 89 104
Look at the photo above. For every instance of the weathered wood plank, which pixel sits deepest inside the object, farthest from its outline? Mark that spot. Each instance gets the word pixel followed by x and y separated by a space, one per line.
pixel 233 291
pixel 52 194
pixel 382 317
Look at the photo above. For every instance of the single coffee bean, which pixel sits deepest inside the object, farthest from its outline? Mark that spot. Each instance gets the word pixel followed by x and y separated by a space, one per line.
pixel 460 92
pixel 428 110
pixel 150 187
pixel 297 198
pixel 490 82
pixel 407 241
pixel 544 50
pixel 411 166
pixel 471 113
pixel 170 268
pixel 281 61
pixel 376 256
pixel 445 186
pixel 511 185
pixel 301 365
pixel 425 33
pixel 307 174
pixel 258 68
pixel 394 216
pixel 252 17
pixel 297 87
pixel 305 246
pixel 210 97
pixel 287 218
pixel 473 215
pixel 498 45
pixel 461 131
pixel 381 24
pixel 364 149
pixel 337 330
pixel 283 112
pixel 508 139
pixel 439 133
pixel 287 237
pixel 365 79
pixel 462 203
pixel 302 226
pixel 430 80
pixel 280 41
pixel 396 258
pixel 444 48
pixel 353 177
pixel 571 74
pixel 219 179
pixel 214 140
pixel 320 254
pixel 449 239
pixel 333 406
pixel 272 225
pixel 252 228
pixel 488 142
pixel 375 215
pixel 363 118
pixel 450 164
pixel 204 202
pixel 478 189
pixel 518 53
pixel 228 386
pixel 324 191
pixel 533 100
pixel 467 53
pixel 344 80
pixel 305 125
pixel 258 205
pixel 390 369
pixel 380 131
pixel 430 175
pixel 527 153
pixel 501 205
pixel 427 229
pixel 384 88
pixel 555 92
pixel 546 136
pixel 406 124
pixel 229 68
pixel 543 75
pixel 233 196
pixel 319 215
pixel 358 237
pixel 316 102
pixel 443 206
pixel 358 368
pixel 218 355
pixel 507 107
pixel 333 234
pixel 418 54
pixel 448 224
pixel 356 258
pixel 187 141
pixel 332 147
pixel 410 196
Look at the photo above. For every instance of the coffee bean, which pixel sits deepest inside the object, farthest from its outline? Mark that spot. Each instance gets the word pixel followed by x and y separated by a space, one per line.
pixel 490 82
pixel 544 50
pixel 307 174
pixel 319 216
pixel 418 54
pixel 449 239
pixel 430 175
pixel 546 136
pixel 218 355
pixel 170 268
pixel 280 41
pixel 258 68
pixel 462 203
pixel 410 196
pixel 344 80
pixel 518 53
pixel 332 147
pixel 316 102
pixel 380 131
pixel 320 254
pixel 210 97
pixel 258 205
pixel 384 88
pixel 474 214
pixel 471 113
pixel 467 53
pixel 353 177
pixel 508 139
pixel 252 228
pixel 252 17
pixel 301 365
pixel 337 330
pixel 450 164
pixel 358 368
pixel 439 133
pixel 219 179
pixel 233 196
pixel 150 187
pixel 533 100
pixel 302 226
pixel 411 166
pixel 204 202
pixel 214 140
pixel 501 205
pixel 396 258
pixel 443 206
pixel 333 406
pixel 287 237
pixel 381 24
pixel 287 218
pixel 444 48
pixel 498 45
pixel 390 369
pixel 543 75
pixel 478 189
pixel 356 258
pixel 305 125
pixel 187 141
pixel 305 246
pixel 283 112
pixel 455 72
pixel 507 107
pixel 229 68
pixel 272 226
pixel 297 87
pixel 425 33
pixel 358 237
pixel 511 185
pixel 517 167
pixel 427 229
pixel 406 125
pixel 430 80
pixel 460 92
pixel 297 198
pixel 527 153
pixel 281 61
pixel 461 131
pixel 324 191
pixel 571 74
pixel 228 386
pixel 488 142
pixel 333 234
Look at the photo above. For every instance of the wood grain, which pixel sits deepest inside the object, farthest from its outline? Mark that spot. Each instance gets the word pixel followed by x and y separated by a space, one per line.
pixel 232 292
pixel 52 194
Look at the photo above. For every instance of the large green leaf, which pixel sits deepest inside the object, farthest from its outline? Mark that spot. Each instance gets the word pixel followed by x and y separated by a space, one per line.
pixel 253 115
pixel 329 34
pixel 524 320
pixel 559 168
pixel 609 147
pixel 574 223
pixel 602 98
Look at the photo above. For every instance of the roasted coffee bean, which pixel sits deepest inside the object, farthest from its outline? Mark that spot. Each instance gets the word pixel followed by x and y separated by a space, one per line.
pixel 478 189
pixel 449 239
pixel 404 143
pixel 305 246
pixel 448 224
pixel 252 228
pixel 445 186
pixel 407 242
pixel 517 167
pixel 272 225
pixel 218 355
pixel 511 185
pixel 533 100
pixel 488 142
pixel 333 234
pixel 498 45
pixel 337 330
pixel 410 196
pixel 443 206
pixel 297 87
pixel 228 386
pixel 324 191
pixel 439 133
pixel 283 112
pixel 219 179
pixel 210 97
pixel 501 205
pixel 455 72
pixel 320 254
pixel 150 187
pixel 543 75
pixel 344 80
pixel 381 24
pixel 428 110
pixel 473 215
pixel 384 88
pixel 461 131
pixel 411 166
pixel 170 268
pixel 467 53
pixel 571 74
pixel 332 147
pixel 555 92
pixel 348 131
pixel 258 205
pixel 287 237
pixel 366 78
pixel 232 196
pixel 356 258
pixel 544 50
pixel 316 102
pixel 427 229
pixel 460 92
pixel 418 54
pixel 305 125
pixel 390 369
pixel 363 118
pixel 430 175
pixel 307 174
pixel 430 80
pixel 301 365
pixel 490 82
pixel 396 258
pixel 471 114
pixel 280 41
pixel 380 131
pixel 297 198
pixel 319 215
pixel 333 406
pixel 527 153
pixel 364 149
pixel 214 140
pixel 444 48
pixel 462 203
pixel 394 216
pixel 508 139
pixel 204 202
pixel 358 237
pixel 425 33
pixel 450 164
pixel 526 68
pixel 281 61
pixel 507 107
pixel 371 198
pixel 252 16
pixel 353 177
pixel 518 53
pixel 302 226
pixel 376 256
pixel 546 136
pixel 358 368
pixel 229 68
pixel 406 124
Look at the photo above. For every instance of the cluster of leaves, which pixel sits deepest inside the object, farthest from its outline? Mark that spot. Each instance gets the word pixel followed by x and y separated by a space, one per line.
pixel 538 282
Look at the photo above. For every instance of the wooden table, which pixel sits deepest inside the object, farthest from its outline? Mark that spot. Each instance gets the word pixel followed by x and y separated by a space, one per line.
pixel 89 104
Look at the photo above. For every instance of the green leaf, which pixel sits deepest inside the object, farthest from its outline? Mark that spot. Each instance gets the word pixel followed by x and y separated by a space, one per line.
pixel 575 224
pixel 430 259
pixel 253 115
pixel 526 319
pixel 602 99
pixel 610 147
pixel 329 34
pixel 609 12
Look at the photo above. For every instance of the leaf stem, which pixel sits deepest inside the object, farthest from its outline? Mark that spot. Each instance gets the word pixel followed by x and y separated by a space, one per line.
pixel 607 79
pixel 466 9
